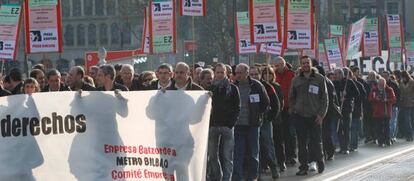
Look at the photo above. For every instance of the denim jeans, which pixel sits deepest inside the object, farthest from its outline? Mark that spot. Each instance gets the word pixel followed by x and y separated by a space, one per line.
pixel 220 153
pixel 267 145
pixel 334 131
pixel 355 128
pixel 406 121
pixel 393 122
pixel 246 138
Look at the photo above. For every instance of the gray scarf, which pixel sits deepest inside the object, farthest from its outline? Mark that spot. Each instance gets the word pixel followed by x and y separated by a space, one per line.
pixel 223 84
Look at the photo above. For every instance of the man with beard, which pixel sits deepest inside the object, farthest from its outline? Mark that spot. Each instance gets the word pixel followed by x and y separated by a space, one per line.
pixel 308 103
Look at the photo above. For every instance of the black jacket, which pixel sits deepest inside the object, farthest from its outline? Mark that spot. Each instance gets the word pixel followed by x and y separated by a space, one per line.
pixel 85 87
pixel 135 86
pixel 114 87
pixel 274 108
pixel 190 85
pixel 62 88
pixel 4 92
pixel 396 88
pixel 351 94
pixel 359 100
pixel 256 109
pixel 225 108
pixel 17 89
pixel 279 93
pixel 334 110
pixel 154 85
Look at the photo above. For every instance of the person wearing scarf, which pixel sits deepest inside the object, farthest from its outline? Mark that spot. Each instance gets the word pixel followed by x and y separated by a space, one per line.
pixel 224 115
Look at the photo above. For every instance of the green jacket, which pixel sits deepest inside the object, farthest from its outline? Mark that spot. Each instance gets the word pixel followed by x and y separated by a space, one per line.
pixel 308 97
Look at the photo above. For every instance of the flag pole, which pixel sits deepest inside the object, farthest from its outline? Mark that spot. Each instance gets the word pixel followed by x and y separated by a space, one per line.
pixel 193 27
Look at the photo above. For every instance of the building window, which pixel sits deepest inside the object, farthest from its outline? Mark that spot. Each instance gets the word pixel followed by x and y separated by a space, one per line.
pixel 392 8
pixel 92 34
pixel 110 7
pixel 65 8
pixel 68 35
pixel 99 7
pixel 88 7
pixel 80 35
pixel 115 34
pixel 77 8
pixel 103 34
pixel 126 34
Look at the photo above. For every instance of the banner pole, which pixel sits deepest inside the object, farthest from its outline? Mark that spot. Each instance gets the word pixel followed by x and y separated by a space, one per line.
pixel 2 67
pixel 267 64
pixel 248 58
pixel 193 27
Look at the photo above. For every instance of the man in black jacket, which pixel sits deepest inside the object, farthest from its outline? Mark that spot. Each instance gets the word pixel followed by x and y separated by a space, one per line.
pixel 106 77
pixel 16 81
pixel 224 115
pixel 357 113
pixel 183 79
pixel 254 103
pixel 54 83
pixel 164 75
pixel 267 147
pixel 347 92
pixel 76 82
pixel 127 77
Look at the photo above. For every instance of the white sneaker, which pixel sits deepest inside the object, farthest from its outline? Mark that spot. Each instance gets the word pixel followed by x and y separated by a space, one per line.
pixel 312 166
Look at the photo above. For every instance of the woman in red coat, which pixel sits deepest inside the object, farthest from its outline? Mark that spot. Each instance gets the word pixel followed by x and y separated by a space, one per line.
pixel 382 98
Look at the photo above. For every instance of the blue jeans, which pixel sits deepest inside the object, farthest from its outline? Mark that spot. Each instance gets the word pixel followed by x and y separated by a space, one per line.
pixel 393 122
pixel 267 144
pixel 355 127
pixel 220 147
pixel 246 138
pixel 334 132
pixel 406 121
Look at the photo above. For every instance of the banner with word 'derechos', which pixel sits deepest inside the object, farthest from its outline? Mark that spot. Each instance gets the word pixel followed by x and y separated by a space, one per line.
pixel 99 136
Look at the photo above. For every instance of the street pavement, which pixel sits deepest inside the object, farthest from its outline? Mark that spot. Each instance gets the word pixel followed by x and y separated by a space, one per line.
pixel 369 162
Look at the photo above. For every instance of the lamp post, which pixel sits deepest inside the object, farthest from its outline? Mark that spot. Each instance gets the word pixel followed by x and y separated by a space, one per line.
pixel 102 56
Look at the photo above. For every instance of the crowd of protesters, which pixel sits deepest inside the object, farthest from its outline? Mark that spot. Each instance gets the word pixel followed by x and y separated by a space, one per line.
pixel 263 117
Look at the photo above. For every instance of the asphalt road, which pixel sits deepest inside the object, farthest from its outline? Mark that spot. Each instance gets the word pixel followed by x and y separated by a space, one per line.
pixel 369 162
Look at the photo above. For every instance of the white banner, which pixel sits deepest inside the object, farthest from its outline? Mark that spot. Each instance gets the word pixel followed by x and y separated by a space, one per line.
pixel 43 26
pixel 265 21
pixel 378 64
pixel 193 7
pixel 244 45
pixel 9 28
pixel 372 38
pixel 299 24
pixel 144 136
pixel 272 48
pixel 355 38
